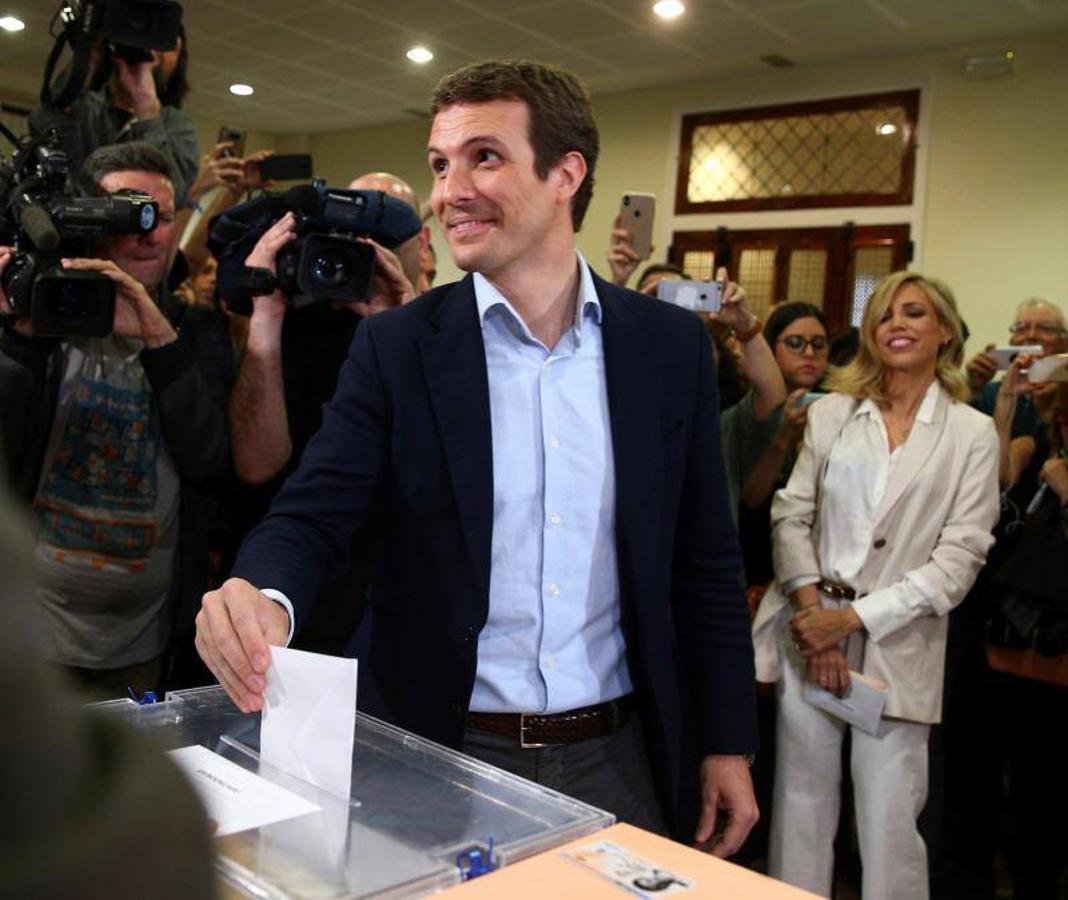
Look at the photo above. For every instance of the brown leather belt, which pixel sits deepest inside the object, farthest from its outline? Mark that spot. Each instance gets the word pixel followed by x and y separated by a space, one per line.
pixel 835 591
pixel 545 729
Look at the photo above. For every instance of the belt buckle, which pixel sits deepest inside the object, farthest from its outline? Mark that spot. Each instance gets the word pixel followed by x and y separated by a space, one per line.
pixel 524 744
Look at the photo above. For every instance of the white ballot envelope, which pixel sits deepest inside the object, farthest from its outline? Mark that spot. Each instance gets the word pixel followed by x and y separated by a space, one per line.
pixel 862 707
pixel 309 718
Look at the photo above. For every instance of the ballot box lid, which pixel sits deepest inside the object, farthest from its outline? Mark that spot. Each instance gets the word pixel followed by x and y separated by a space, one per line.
pixel 420 816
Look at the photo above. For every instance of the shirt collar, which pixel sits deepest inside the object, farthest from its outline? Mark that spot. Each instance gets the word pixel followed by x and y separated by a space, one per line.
pixel 925 413
pixel 587 304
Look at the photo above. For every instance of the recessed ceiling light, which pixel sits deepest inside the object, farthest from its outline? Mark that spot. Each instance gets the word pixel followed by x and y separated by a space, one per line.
pixel 242 90
pixel 419 55
pixel 886 128
pixel 11 23
pixel 669 9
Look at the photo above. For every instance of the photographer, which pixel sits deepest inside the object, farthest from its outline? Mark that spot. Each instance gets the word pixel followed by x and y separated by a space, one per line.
pixel 289 370
pixel 107 437
pixel 130 102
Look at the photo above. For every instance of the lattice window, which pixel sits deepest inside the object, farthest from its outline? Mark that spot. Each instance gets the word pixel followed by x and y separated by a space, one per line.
pixel 870 266
pixel 807 276
pixel 700 265
pixel 756 274
pixel 847 152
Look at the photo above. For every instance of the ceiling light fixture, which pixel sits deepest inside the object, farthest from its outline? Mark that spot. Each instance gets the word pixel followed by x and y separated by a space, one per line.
pixel 242 90
pixel 12 24
pixel 886 128
pixel 669 9
pixel 419 55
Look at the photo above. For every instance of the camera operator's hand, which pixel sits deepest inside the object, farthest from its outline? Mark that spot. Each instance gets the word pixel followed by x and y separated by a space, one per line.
pixel 623 259
pixel 389 287
pixel 268 310
pixel 136 313
pixel 136 88
pixel 19 326
pixel 217 168
pixel 980 369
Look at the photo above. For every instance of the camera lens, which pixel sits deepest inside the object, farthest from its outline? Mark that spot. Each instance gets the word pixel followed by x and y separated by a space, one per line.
pixel 331 269
pixel 69 302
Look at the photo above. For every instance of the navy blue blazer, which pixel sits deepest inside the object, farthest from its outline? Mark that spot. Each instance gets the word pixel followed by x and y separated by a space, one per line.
pixel 407 436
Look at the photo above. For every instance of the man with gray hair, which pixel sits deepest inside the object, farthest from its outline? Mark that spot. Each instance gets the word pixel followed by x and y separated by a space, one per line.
pixel 1038 322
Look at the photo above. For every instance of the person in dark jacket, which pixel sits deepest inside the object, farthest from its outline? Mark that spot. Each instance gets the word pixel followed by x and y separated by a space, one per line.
pixel 106 437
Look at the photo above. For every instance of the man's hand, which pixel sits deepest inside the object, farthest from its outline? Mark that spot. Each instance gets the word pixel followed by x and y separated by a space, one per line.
pixel 235 626
pixel 623 259
pixel 829 670
pixel 734 311
pixel 727 785
pixel 1055 473
pixel 265 252
pixel 136 313
pixel 136 88
pixel 980 369
pixel 815 630
pixel 389 287
pixel 19 326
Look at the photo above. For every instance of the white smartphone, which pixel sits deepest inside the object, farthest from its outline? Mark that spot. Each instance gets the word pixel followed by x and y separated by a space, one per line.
pixel 636 213
pixel 698 296
pixel 1007 355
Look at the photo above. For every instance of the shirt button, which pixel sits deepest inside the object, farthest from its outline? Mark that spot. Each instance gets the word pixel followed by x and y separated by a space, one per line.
pixel 554 589
pixel 880 543
pixel 555 519
pixel 550 662
pixel 554 443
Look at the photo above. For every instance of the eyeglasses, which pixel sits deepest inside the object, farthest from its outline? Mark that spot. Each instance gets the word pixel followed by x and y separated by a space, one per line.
pixel 1046 328
pixel 797 343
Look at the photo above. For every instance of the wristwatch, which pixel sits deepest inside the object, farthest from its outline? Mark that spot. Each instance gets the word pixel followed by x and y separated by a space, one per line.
pixel 257 281
pixel 749 333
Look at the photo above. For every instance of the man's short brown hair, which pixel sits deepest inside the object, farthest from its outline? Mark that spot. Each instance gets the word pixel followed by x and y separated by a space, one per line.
pixel 561 118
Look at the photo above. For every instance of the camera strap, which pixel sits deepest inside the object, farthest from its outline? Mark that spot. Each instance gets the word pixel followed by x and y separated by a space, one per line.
pixel 80 41
pixel 257 281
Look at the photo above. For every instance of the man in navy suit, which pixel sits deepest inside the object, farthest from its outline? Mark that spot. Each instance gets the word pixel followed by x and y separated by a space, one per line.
pixel 558 586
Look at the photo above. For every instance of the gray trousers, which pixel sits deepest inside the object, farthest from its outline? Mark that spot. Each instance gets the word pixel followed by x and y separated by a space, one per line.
pixel 610 772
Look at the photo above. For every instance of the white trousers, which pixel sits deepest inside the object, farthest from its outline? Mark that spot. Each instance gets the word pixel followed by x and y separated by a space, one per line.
pixel 890 787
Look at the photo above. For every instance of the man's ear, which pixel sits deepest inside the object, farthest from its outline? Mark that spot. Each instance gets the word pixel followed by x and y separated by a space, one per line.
pixel 569 173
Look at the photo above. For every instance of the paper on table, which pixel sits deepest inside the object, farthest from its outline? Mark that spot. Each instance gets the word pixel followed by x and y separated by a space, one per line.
pixel 309 718
pixel 861 707
pixel 236 798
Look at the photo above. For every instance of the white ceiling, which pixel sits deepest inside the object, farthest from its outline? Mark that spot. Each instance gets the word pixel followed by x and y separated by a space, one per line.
pixel 328 64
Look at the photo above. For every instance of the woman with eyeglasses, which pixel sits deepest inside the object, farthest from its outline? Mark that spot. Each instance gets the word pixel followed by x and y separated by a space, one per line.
pixel 797 335
pixel 879 533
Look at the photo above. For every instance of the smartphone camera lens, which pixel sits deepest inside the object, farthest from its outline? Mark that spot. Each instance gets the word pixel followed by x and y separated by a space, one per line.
pixel 626 200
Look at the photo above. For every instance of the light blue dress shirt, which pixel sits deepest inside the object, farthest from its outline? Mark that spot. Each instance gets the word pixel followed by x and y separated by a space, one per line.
pixel 553 640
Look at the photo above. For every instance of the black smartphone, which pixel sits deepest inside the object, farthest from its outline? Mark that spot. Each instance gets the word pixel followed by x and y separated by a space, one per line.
pixel 235 137
pixel 286 167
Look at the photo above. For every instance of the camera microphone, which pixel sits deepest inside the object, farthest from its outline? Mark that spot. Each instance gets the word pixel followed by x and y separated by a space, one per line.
pixel 37 224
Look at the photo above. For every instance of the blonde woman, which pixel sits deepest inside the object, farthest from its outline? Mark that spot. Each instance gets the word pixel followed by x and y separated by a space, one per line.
pixel 879 533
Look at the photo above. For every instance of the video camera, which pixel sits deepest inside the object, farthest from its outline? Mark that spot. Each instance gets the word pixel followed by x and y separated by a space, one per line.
pixel 326 262
pixel 45 223
pixel 132 29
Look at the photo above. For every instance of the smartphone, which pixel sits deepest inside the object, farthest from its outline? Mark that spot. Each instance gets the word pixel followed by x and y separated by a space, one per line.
pixel 1007 355
pixel 286 167
pixel 235 137
pixel 636 215
pixel 698 296
pixel 810 397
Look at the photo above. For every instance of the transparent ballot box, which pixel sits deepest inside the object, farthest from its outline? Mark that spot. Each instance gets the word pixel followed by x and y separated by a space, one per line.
pixel 421 817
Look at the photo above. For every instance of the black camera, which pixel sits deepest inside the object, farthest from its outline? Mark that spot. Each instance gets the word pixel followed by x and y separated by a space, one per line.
pixel 45 224
pixel 132 28
pixel 326 262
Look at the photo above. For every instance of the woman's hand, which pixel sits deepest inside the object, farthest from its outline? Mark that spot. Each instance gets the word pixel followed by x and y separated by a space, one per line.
pixel 622 258
pixel 816 630
pixel 829 670
pixel 1055 474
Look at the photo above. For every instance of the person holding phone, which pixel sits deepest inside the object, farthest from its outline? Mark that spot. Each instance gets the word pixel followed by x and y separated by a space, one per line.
pixel 879 533
pixel 797 335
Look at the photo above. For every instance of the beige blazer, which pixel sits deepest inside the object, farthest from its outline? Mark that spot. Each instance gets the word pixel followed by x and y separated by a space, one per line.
pixel 934 522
